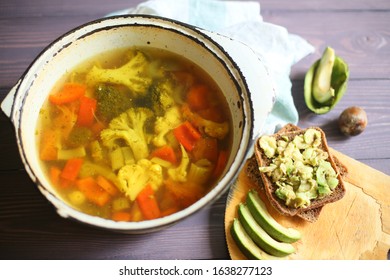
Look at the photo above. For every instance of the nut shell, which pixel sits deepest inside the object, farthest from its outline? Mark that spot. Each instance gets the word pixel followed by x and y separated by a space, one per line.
pixel 353 121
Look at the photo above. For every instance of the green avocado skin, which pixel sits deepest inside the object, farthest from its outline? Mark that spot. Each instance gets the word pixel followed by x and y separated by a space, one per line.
pixel 339 80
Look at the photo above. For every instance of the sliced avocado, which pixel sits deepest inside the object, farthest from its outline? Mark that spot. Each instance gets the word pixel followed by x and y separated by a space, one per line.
pixel 246 244
pixel 260 237
pixel 260 213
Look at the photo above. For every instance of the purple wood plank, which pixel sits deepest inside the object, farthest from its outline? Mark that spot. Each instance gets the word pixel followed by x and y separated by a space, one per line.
pixel 372 95
pixel 332 5
pixel 93 7
pixel 48 8
pixel 362 43
pixel 361 38
pixel 29 226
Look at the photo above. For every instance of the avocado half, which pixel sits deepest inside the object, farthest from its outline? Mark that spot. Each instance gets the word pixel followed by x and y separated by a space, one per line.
pixel 339 79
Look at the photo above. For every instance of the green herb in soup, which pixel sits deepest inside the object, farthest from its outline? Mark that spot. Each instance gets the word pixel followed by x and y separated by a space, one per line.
pixel 134 135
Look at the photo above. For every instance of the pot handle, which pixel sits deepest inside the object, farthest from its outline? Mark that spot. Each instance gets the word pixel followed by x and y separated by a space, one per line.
pixel 8 102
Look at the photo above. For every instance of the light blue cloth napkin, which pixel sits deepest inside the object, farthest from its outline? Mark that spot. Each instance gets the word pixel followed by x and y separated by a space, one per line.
pixel 241 20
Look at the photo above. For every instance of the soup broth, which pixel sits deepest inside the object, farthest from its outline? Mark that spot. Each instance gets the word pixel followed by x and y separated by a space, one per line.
pixel 134 134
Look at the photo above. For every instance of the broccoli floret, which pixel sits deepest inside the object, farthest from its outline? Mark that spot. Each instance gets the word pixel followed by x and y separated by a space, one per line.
pixel 79 136
pixel 179 174
pixel 112 101
pixel 133 74
pixel 165 124
pixel 134 177
pixel 161 95
pixel 129 128
pixel 210 128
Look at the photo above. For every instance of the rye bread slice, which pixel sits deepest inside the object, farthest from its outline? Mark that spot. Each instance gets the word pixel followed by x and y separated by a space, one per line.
pixel 311 212
pixel 311 215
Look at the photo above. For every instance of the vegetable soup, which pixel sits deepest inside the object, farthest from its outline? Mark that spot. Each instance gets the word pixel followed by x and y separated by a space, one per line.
pixel 134 134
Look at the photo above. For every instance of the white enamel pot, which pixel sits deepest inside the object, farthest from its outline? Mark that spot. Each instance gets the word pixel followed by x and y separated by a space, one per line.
pixel 237 70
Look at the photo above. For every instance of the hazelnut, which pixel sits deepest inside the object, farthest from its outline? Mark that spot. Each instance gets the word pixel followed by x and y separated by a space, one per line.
pixel 353 121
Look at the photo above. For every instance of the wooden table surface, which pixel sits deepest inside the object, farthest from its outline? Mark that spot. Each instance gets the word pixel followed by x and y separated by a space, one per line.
pixel 359 31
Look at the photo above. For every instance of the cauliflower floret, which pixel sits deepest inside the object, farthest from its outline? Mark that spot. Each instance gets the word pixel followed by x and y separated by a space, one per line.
pixel 131 180
pixel 154 171
pixel 179 174
pixel 129 127
pixel 163 125
pixel 134 177
pixel 133 74
pixel 211 128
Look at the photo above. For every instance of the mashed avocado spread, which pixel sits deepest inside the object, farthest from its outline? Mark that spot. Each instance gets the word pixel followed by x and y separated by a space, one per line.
pixel 299 168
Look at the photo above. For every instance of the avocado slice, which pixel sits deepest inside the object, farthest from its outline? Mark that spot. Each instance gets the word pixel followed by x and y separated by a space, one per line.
pixel 246 244
pixel 261 215
pixel 260 237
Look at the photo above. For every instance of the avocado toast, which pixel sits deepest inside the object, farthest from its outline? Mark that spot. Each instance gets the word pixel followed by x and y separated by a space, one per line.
pixel 309 212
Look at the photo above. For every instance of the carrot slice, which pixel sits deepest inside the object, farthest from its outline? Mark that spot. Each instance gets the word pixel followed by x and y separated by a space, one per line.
pixel 92 191
pixel 48 145
pixel 87 110
pixel 197 97
pixel 169 211
pixel 68 93
pixel 106 185
pixel 65 183
pixel 185 194
pixel 147 203
pixel 55 174
pixel 166 153
pixel 221 163
pixel 187 135
pixel 72 169
pixel 206 148
pixel 121 216
pixel 57 180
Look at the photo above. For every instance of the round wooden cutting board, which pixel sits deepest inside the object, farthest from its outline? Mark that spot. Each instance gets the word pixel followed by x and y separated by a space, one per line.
pixel 355 227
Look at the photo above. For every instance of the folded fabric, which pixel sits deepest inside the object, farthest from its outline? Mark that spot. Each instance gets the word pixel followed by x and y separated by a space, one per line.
pixel 242 21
